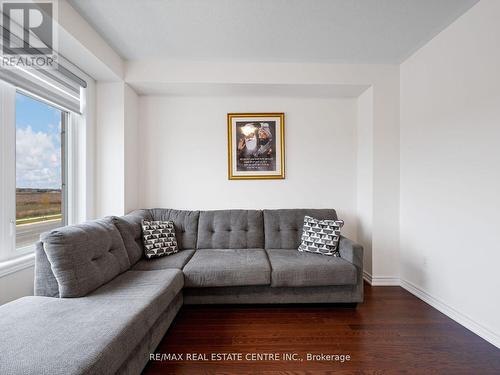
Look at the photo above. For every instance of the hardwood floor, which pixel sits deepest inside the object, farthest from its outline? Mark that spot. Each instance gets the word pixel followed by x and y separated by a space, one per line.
pixel 392 332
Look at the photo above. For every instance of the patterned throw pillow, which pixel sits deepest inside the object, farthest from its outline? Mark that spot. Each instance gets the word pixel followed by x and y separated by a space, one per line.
pixel 321 236
pixel 158 238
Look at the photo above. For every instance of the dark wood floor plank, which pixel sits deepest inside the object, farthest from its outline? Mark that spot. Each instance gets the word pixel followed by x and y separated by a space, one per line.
pixel 392 332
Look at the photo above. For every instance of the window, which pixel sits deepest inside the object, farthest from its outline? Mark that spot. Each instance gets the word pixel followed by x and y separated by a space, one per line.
pixel 43 164
pixel 40 169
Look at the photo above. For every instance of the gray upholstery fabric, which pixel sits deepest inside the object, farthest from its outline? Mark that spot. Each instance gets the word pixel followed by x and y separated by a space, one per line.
pixel 231 229
pixel 177 260
pixel 227 267
pixel 91 335
pixel 85 256
pixel 283 228
pixel 141 287
pixel 270 295
pixel 294 268
pixel 45 281
pixel 185 222
pixel 353 253
pixel 139 357
pixel 131 232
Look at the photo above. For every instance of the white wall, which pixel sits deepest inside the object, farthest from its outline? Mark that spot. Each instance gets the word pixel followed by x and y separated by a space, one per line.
pixel 364 170
pixel 117 182
pixel 110 146
pixel 132 151
pixel 184 155
pixel 385 208
pixel 450 176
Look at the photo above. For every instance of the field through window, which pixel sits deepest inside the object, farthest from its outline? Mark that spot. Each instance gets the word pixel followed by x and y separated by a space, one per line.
pixel 39 169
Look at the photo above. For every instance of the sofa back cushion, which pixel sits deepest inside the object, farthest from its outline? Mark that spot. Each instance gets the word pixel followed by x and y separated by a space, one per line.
pixel 231 229
pixel 131 232
pixel 185 223
pixel 283 228
pixel 85 256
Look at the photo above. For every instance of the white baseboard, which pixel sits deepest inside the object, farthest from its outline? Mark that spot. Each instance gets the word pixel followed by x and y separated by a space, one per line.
pixel 449 311
pixel 367 277
pixel 381 280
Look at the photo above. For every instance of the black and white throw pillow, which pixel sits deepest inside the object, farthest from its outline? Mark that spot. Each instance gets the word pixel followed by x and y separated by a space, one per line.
pixel 158 238
pixel 321 236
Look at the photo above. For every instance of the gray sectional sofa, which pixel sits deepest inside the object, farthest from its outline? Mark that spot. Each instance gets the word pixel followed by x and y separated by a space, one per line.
pixel 101 308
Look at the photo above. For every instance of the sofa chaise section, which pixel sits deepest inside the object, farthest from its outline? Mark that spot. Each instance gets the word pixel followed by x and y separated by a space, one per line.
pixel 107 317
pixel 96 334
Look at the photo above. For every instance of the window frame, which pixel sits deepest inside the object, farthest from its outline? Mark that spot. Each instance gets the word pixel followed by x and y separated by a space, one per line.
pixel 7 171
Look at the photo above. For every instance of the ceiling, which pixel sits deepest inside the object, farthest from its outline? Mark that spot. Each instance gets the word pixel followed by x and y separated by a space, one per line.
pixel 342 31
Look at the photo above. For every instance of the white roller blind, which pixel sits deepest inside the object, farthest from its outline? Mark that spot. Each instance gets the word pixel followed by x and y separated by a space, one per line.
pixel 60 86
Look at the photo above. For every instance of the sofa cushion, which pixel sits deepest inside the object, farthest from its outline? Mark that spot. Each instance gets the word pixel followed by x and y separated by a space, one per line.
pixel 185 222
pixel 231 229
pixel 296 269
pixel 283 228
pixel 131 232
pixel 85 256
pixel 159 238
pixel 177 260
pixel 90 335
pixel 227 267
pixel 321 236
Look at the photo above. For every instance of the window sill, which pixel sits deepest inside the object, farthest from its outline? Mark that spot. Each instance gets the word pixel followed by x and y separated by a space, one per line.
pixel 10 266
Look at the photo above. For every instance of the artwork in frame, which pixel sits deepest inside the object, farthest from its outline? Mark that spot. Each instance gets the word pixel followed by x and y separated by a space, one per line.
pixel 256 146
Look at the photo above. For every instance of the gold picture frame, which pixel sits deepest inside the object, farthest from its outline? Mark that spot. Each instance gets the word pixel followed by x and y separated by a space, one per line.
pixel 256 146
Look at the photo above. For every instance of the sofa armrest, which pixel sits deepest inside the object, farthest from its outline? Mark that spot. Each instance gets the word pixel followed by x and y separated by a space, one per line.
pixel 351 251
pixel 45 282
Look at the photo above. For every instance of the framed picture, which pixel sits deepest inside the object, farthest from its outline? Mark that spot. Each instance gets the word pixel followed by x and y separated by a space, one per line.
pixel 256 146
